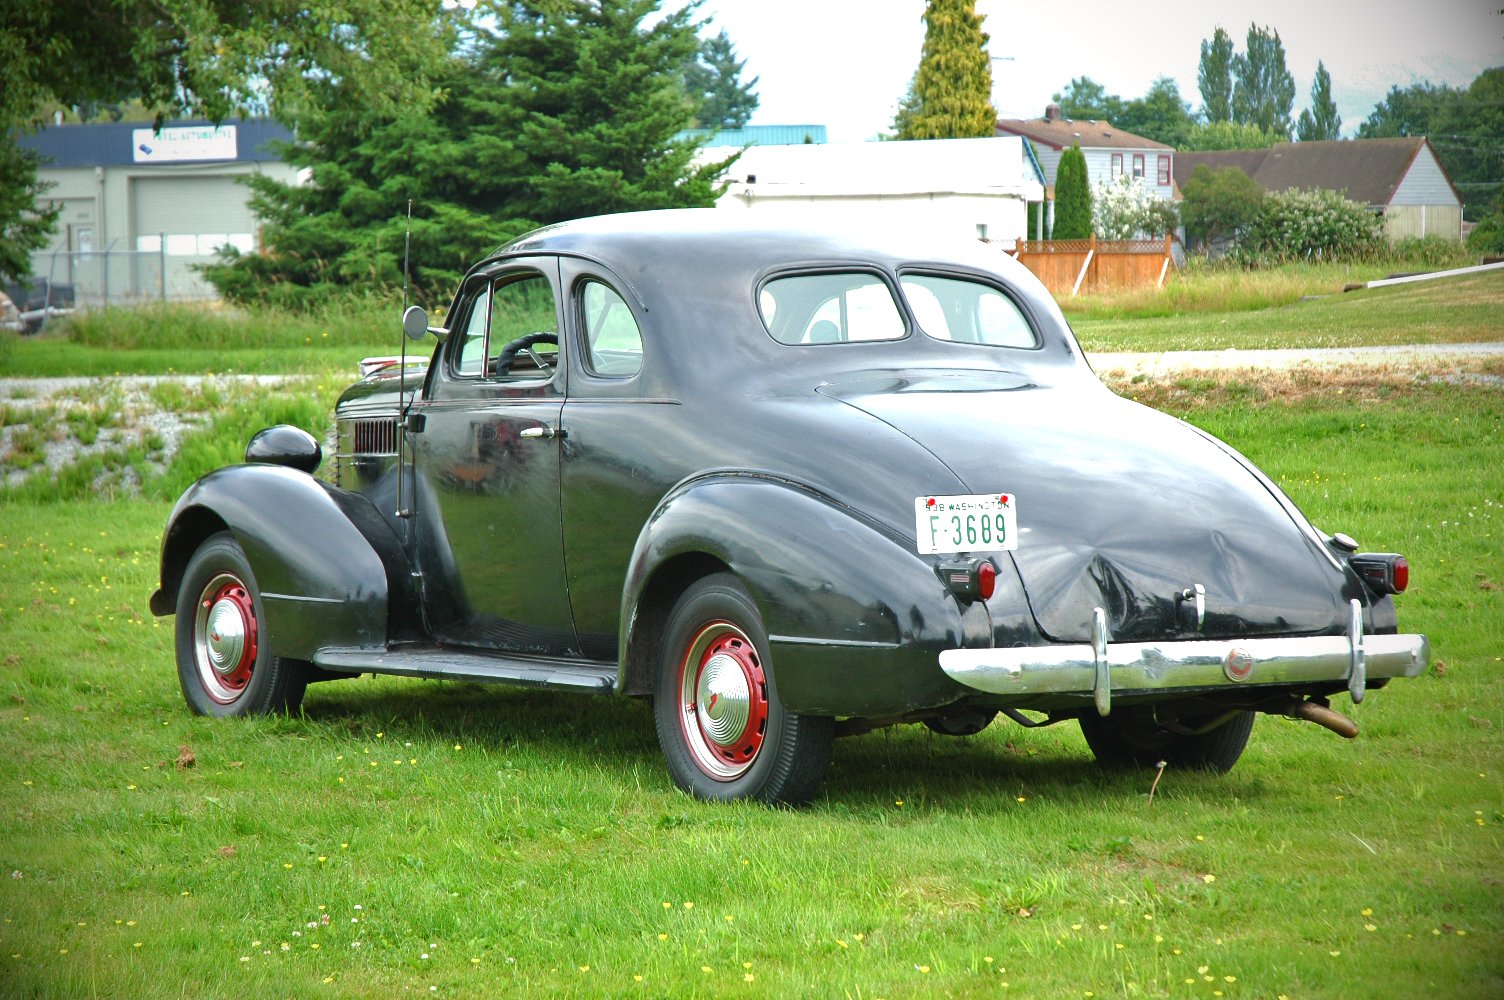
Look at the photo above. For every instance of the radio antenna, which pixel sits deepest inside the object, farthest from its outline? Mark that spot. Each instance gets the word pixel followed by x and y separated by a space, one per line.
pixel 402 405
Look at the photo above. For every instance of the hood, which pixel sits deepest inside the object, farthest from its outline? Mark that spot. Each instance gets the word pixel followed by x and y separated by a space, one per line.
pixel 1119 507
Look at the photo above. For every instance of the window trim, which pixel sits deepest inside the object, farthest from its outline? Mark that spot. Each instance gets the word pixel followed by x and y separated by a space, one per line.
pixel 1117 165
pixel 1164 170
pixel 1138 166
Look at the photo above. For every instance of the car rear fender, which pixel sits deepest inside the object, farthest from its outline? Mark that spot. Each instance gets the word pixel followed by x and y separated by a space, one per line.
pixel 854 615
pixel 325 562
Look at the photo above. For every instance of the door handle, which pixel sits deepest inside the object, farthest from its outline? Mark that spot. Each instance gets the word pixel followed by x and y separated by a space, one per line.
pixel 544 432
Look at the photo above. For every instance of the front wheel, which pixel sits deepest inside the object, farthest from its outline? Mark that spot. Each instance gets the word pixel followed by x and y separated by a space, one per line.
pixel 1136 740
pixel 723 731
pixel 225 661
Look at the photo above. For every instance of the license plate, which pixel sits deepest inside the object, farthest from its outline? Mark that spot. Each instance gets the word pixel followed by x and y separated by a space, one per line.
pixel 978 523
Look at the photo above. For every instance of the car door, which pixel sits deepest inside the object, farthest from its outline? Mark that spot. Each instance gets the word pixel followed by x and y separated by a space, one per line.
pixel 485 450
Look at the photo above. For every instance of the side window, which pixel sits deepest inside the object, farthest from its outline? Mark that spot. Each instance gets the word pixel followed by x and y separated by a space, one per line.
pixel 967 312
pixel 830 309
pixel 613 343
pixel 524 328
pixel 472 352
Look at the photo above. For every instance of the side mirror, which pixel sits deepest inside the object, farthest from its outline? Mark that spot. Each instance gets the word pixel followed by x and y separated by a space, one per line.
pixel 415 322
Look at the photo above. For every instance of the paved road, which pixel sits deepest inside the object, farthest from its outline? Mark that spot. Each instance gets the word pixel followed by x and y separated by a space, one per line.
pixel 1401 355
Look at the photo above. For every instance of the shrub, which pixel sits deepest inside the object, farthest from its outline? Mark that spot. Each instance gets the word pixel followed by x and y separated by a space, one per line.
pixel 1311 225
pixel 1127 209
pixel 1218 205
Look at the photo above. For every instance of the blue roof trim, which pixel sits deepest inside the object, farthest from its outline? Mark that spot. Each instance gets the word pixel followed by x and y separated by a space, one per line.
pixel 109 144
pixel 757 135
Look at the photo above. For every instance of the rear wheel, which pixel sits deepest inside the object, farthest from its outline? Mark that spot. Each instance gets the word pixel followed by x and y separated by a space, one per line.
pixel 723 731
pixel 1137 740
pixel 225 662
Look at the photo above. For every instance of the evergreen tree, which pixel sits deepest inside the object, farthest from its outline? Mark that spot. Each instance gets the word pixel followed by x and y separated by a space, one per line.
pixel 1214 77
pixel 714 79
pixel 1321 121
pixel 1263 89
pixel 554 110
pixel 1072 197
pixel 953 85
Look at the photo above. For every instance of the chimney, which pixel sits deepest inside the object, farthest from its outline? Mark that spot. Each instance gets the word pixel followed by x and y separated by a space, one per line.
pixel 1052 112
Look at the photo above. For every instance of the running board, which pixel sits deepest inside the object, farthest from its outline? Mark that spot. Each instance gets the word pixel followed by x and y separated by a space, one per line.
pixel 556 673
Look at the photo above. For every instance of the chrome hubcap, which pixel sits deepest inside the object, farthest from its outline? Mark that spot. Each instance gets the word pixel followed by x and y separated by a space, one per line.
pixel 224 638
pixel 723 701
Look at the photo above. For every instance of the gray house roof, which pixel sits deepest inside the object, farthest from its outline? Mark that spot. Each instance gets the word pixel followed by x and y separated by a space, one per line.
pixel 1364 170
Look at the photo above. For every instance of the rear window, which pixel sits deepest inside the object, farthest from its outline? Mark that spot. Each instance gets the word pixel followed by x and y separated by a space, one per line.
pixel 966 312
pixel 835 308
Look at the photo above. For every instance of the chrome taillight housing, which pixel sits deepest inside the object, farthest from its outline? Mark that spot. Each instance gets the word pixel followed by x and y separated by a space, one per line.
pixel 1383 572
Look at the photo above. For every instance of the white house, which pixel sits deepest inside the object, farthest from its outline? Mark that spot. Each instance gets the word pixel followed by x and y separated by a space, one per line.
pixel 973 188
pixel 1109 151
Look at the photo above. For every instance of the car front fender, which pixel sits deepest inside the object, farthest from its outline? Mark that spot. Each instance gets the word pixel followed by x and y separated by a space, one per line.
pixel 855 617
pixel 321 578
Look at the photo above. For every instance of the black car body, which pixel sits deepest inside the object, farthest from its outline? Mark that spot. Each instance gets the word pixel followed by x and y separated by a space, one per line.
pixel 791 484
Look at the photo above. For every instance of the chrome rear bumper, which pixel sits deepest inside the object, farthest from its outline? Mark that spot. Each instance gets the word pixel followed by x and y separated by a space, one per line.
pixel 1103 667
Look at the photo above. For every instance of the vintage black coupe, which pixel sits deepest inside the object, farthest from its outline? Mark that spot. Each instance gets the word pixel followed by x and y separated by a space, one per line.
pixel 788 484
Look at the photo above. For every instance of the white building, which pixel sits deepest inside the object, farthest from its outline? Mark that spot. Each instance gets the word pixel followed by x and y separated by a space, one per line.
pixel 973 188
pixel 141 208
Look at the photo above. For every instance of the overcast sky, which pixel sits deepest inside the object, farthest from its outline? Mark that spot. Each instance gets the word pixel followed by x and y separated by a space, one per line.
pixel 845 63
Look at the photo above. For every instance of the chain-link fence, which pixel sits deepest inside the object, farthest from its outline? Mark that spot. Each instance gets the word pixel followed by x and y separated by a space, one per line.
pixel 95 278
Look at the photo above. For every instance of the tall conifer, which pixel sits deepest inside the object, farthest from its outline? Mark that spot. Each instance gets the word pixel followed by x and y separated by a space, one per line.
pixel 952 91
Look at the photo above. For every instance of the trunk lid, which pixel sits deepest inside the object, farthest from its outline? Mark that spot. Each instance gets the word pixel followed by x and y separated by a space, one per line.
pixel 1119 507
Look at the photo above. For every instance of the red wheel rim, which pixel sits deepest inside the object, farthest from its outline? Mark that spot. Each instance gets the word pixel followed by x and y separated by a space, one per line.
pixel 723 701
pixel 225 637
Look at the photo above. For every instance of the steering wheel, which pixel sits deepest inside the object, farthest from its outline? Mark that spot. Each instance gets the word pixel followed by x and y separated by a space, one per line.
pixel 525 343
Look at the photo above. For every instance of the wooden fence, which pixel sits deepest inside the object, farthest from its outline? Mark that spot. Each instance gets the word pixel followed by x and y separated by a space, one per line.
pixel 1069 267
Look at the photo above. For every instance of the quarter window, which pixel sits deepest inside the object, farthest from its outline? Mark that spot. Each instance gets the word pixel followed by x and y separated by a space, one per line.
pixel 830 309
pixel 473 348
pixel 966 312
pixel 613 342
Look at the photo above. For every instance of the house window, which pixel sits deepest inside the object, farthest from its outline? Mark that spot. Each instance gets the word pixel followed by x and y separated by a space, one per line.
pixel 1138 164
pixel 1164 171
pixel 1117 165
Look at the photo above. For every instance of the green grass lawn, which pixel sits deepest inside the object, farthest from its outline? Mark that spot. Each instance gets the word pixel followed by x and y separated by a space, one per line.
pixel 425 838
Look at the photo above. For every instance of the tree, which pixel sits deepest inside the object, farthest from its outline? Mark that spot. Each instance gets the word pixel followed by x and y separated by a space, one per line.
pixel 554 110
pixel 22 228
pixel 1263 90
pixel 1159 115
pixel 1227 135
pixel 208 57
pixel 1072 197
pixel 1214 77
pixel 952 89
pixel 1465 126
pixel 1321 121
pixel 1084 99
pixel 714 79
pixel 1217 205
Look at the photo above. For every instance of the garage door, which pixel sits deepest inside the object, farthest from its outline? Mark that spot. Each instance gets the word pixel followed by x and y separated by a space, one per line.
pixel 183 220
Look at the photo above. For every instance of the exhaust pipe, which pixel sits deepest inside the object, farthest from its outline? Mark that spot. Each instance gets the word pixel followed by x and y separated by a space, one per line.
pixel 1311 711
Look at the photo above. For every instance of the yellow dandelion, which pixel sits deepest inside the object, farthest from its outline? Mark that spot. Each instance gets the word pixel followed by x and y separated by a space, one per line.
pixel 1229 979
pixel 1370 927
pixel 747 977
pixel 636 979
pixel 1208 879
pixel 1367 911
pixel 584 968
pixel 662 937
pixel 923 969
pixel 706 968
pixel 688 905
pixel 843 944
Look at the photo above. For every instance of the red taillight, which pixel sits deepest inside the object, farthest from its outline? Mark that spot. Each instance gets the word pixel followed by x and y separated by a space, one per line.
pixel 987 579
pixel 1384 572
pixel 968 578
